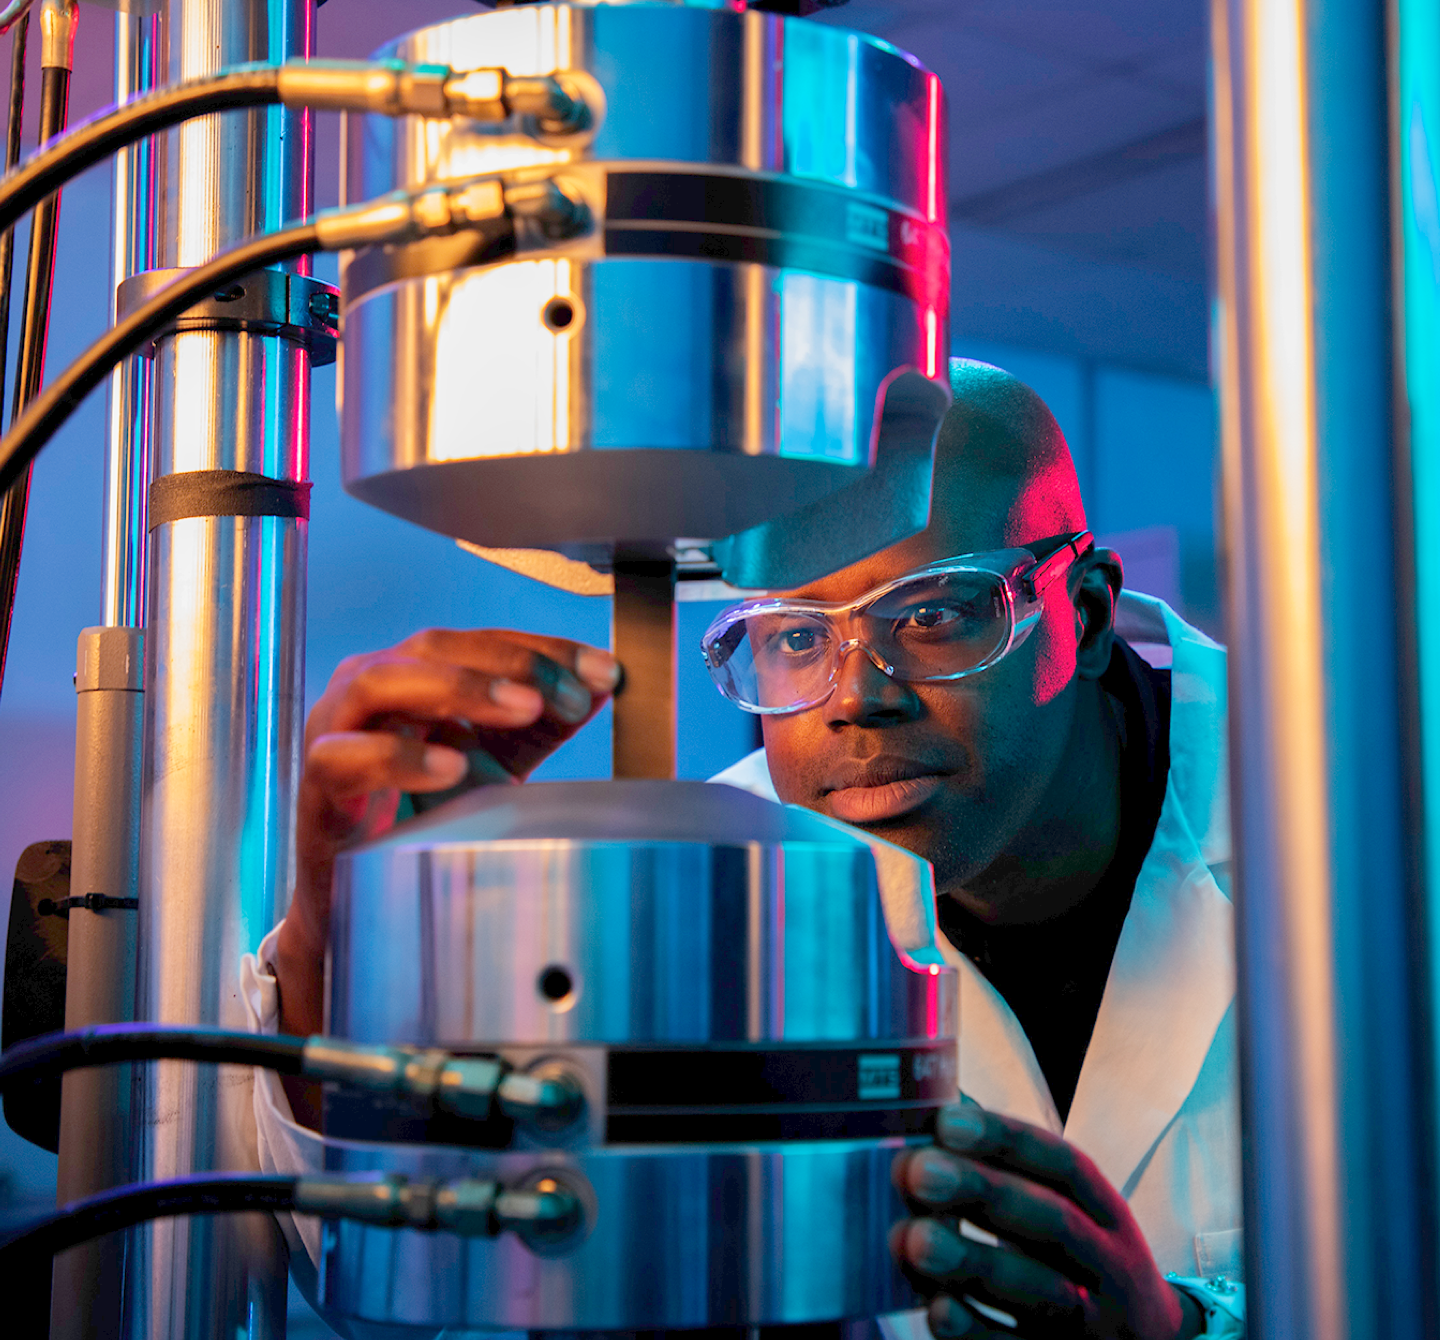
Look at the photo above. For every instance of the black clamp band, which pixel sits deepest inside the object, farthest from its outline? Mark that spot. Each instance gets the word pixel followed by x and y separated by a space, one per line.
pixel 91 902
pixel 268 302
pixel 226 493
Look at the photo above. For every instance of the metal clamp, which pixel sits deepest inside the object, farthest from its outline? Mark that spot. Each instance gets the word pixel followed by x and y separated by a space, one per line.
pixel 268 302
pixel 91 902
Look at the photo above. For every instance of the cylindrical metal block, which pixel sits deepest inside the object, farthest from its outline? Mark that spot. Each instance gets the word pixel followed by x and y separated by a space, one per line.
pixel 713 972
pixel 770 262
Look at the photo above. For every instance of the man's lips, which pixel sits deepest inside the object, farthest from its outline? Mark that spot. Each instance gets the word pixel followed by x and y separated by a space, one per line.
pixel 883 788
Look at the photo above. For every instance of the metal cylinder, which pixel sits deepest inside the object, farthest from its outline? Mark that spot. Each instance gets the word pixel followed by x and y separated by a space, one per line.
pixel 224 684
pixel 768 274
pixel 1339 1117
pixel 712 971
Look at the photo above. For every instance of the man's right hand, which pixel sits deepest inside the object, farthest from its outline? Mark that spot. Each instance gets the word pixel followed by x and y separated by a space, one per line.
pixel 416 718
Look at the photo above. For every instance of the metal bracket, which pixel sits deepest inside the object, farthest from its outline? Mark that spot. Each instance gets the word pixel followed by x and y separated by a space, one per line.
pixel 91 902
pixel 268 302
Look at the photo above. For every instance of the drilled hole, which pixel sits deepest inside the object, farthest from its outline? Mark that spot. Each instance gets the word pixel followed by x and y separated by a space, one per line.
pixel 232 294
pixel 555 982
pixel 558 314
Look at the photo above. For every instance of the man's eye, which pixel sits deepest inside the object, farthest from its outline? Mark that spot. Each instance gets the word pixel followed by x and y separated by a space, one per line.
pixel 953 619
pixel 797 641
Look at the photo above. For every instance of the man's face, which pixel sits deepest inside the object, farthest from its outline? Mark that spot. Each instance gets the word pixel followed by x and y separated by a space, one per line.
pixel 951 771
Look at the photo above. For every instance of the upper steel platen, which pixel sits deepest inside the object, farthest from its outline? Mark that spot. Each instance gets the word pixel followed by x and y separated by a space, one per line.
pixel 768 276
pixel 751 1048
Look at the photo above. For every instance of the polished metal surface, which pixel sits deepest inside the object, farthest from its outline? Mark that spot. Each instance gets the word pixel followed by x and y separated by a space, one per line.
pixel 773 263
pixel 1340 1204
pixel 659 931
pixel 140 52
pixel 96 1106
pixel 224 694
pixel 680 1237
pixel 682 912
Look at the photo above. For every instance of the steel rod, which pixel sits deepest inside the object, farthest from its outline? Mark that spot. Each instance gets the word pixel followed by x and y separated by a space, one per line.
pixel 1338 1109
pixel 643 640
pixel 224 690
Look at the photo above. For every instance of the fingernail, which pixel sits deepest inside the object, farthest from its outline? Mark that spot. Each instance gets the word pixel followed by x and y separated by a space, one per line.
pixel 933 1177
pixel 443 764
pixel 948 1317
pixel 571 700
pixel 599 669
pixel 932 1248
pixel 517 698
pixel 961 1127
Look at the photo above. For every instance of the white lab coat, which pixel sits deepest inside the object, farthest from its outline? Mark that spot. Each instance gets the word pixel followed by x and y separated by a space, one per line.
pixel 1156 1105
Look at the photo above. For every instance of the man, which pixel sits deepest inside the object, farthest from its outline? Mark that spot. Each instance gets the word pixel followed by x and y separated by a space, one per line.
pixel 1072 801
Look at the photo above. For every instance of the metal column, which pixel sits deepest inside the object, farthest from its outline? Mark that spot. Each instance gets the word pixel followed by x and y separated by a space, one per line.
pixel 1337 1093
pixel 224 686
pixel 95 1146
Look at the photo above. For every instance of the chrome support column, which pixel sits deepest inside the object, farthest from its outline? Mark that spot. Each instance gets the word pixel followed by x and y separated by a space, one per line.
pixel 224 685
pixel 1338 1102
pixel 95 1148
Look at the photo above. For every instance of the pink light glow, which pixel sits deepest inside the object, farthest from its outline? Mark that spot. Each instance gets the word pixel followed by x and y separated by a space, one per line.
pixel 932 342
pixel 933 181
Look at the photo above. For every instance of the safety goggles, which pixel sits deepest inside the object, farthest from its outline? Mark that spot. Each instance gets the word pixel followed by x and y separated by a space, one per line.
pixel 774 655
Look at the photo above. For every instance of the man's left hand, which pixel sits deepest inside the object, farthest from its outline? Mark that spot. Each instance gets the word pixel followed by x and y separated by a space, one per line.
pixel 1071 1261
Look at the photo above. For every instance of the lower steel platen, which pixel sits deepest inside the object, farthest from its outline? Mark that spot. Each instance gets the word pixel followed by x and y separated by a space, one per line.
pixel 712 973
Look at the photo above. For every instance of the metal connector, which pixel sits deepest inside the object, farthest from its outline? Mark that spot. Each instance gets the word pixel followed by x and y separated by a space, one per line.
pixel 552 209
pixel 462 1086
pixel 548 1097
pixel 544 1213
pixel 558 102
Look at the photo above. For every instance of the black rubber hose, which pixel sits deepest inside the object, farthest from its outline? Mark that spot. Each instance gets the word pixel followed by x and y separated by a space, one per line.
pixel 28 1249
pixel 94 140
pixel 110 1044
pixel 44 417
pixel 12 161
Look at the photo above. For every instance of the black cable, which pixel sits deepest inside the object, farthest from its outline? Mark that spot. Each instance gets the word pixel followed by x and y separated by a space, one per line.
pixel 94 140
pixel 110 1044
pixel 12 160
pixel 44 416
pixel 14 501
pixel 27 1249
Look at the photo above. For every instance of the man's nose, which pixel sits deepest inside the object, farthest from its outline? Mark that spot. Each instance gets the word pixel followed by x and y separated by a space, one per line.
pixel 865 695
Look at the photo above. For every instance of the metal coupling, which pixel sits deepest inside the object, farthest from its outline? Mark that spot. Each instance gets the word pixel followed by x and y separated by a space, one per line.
pixel 552 210
pixel 543 1211
pixel 560 104
pixel 389 87
pixel 58 21
pixel 555 206
pixel 464 1086
pixel 548 1097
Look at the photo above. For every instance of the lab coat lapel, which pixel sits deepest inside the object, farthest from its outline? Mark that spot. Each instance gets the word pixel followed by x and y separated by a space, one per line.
pixel 1173 975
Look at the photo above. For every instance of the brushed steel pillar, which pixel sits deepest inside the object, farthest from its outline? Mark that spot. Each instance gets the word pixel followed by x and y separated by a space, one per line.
pixel 1337 1093
pixel 224 686
pixel 96 1109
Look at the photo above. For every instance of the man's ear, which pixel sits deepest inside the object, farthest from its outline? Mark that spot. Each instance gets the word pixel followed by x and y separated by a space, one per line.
pixel 1095 583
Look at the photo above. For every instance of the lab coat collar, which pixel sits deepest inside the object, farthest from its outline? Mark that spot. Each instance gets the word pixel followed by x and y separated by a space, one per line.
pixel 1172 977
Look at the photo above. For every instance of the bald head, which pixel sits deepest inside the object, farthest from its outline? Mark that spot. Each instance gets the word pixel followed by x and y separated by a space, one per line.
pixel 1003 473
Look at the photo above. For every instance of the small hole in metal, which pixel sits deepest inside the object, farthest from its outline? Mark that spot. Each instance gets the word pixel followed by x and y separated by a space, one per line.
pixel 231 294
pixel 555 982
pixel 558 314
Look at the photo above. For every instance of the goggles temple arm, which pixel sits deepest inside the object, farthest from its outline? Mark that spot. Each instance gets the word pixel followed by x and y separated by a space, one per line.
pixel 1034 581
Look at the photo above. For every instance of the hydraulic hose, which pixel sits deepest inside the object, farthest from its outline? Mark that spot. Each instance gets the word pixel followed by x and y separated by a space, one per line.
pixel 57 20
pixel 475 1087
pixel 485 205
pixel 466 1206
pixel 12 160
pixel 386 87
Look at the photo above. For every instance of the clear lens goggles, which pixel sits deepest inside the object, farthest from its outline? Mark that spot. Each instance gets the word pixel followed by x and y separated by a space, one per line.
pixel 946 621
